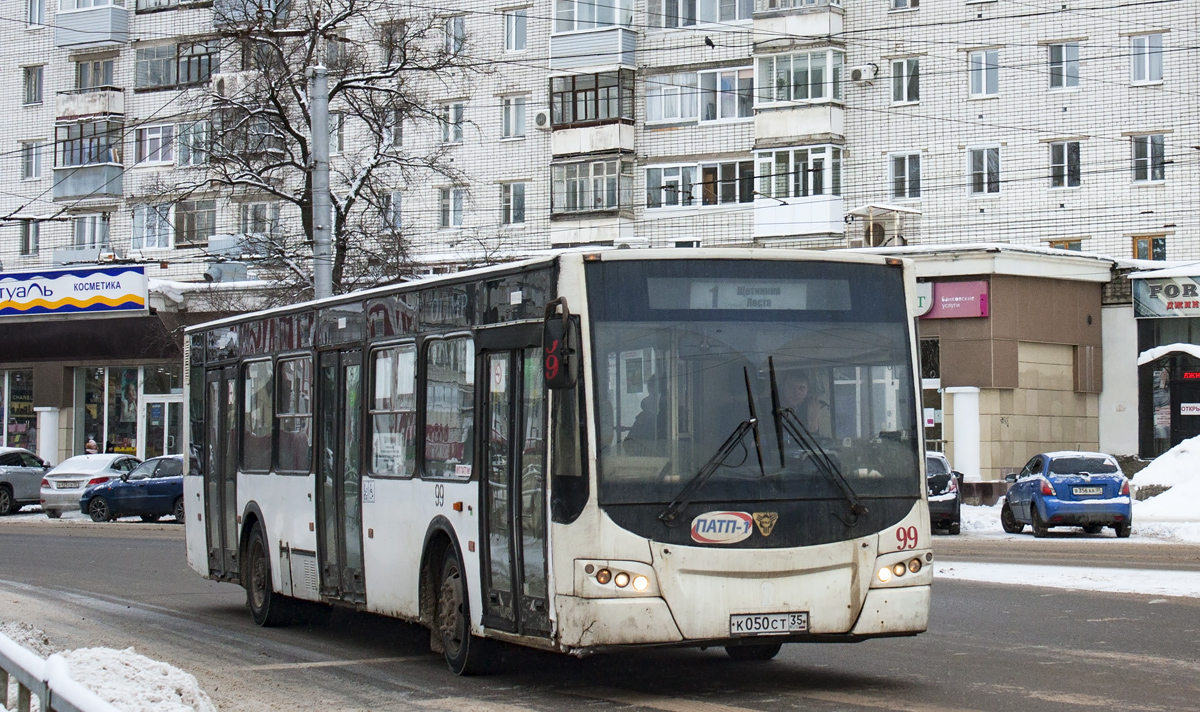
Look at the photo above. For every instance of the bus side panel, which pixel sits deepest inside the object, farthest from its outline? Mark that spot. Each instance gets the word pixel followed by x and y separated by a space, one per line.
pixel 289 515
pixel 396 517
pixel 194 529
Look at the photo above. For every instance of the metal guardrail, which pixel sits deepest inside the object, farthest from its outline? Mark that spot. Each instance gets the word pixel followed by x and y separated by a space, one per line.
pixel 48 681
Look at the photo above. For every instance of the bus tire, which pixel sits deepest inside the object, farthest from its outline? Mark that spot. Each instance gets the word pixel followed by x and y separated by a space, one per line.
pixel 764 651
pixel 267 608
pixel 466 654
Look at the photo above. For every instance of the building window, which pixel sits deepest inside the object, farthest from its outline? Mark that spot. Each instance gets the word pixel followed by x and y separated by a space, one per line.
pixel 591 186
pixel 583 99
pixel 1150 247
pixel 337 124
pixel 391 212
pixel 152 227
pixel 807 76
pixel 456 34
pixel 31 234
pixel 687 13
pixel 84 4
pixel 156 144
pixel 512 116
pixel 571 15
pixel 800 172
pixel 671 186
pixel 727 95
pixel 723 183
pixel 194 143
pixel 174 65
pixel 905 4
pixel 87 143
pixel 91 231
pixel 32 85
pixel 155 66
pixel 452 122
pixel 93 74
pixel 1064 164
pixel 906 176
pixel 1064 65
pixel 393 128
pixel 984 68
pixel 31 160
pixel 197 62
pixel 514 30
pixel 37 13
pixel 392 40
pixel 1149 163
pixel 1147 53
pixel 984 169
pixel 450 207
pixel 671 97
pixel 512 203
pixel 906 81
pixel 260 218
pixel 1073 245
pixel 195 222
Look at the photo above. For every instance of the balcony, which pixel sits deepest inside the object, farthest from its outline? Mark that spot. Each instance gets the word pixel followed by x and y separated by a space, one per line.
pixel 76 255
pixel 102 26
pixel 779 22
pixel 789 124
pixel 605 230
pixel 589 48
pixel 592 139
pixel 91 181
pixel 803 216
pixel 97 101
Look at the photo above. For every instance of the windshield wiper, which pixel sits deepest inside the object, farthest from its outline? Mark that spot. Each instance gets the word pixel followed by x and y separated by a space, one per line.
pixel 786 418
pixel 670 515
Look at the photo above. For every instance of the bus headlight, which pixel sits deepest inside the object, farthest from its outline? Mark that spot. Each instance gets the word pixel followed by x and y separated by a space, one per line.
pixel 603 576
pixel 614 579
pixel 640 583
pixel 884 575
pixel 621 580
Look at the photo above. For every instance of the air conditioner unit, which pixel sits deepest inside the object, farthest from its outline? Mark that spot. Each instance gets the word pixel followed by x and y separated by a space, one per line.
pixel 230 85
pixel 864 73
pixel 541 119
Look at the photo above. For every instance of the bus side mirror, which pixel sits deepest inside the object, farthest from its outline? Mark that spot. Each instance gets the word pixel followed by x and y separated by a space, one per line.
pixel 560 363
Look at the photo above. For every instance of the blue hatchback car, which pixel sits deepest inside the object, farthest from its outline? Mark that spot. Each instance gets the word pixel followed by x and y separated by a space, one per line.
pixel 151 490
pixel 1082 489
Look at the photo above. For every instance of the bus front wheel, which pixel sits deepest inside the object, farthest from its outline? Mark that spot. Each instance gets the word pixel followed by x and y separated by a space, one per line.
pixel 466 654
pixel 753 652
pixel 267 608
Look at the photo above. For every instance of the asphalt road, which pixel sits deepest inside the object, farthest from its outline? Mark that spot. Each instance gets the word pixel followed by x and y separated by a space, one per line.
pixel 988 647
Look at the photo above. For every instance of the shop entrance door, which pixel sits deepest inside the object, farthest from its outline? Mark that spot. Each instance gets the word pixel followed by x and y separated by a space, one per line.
pixel 220 470
pixel 339 475
pixel 161 426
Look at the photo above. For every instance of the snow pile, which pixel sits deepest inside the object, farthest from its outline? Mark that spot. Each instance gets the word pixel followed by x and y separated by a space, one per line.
pixel 28 637
pixel 1175 466
pixel 135 683
pixel 1177 504
pixel 1078 578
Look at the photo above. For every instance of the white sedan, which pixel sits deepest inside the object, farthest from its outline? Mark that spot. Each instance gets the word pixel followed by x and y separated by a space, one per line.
pixel 65 483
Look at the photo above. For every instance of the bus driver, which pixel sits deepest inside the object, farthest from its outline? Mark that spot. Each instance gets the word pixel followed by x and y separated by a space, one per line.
pixel 795 393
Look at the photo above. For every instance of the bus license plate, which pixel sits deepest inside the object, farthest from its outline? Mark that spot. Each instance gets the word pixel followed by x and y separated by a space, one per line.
pixel 1087 491
pixel 768 624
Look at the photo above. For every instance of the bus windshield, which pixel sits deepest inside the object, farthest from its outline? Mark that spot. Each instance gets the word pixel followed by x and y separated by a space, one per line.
pixel 675 341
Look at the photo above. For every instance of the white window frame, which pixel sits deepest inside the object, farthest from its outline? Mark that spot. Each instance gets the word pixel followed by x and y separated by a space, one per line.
pixel 71 5
pixel 984 153
pixel 512 116
pixel 1145 159
pixel 906 80
pixel 1064 69
pixel 393 128
pixel 269 212
pixel 36 13
pixel 983 69
pixel 193 140
pixel 672 98
pixel 588 15
pixel 153 227
pixel 771 69
pixel 1146 58
pixel 337 132
pixel 512 203
pixel 1061 172
pixel 31 160
pixel 678 186
pixel 31 237
pixel 722 96
pixel 199 233
pixel 901 182
pixel 456 34
pixel 90 231
pixel 155 145
pixel 33 85
pixel 452 121
pixel 451 202
pixel 776 185
pixel 516 29
pixel 904 5
pixel 393 217
pixel 694 13
pixel 601 184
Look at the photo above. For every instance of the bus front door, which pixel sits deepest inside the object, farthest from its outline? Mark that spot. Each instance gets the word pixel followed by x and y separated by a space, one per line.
pixel 220 471
pixel 513 459
pixel 339 476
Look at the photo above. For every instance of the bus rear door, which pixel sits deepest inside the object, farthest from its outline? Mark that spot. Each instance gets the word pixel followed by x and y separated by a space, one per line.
pixel 220 470
pixel 339 475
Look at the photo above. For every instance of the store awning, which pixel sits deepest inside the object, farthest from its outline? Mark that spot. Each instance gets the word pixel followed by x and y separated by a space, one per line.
pixel 1158 352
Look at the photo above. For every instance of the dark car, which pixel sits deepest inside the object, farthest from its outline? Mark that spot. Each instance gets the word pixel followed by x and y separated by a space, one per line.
pixel 945 495
pixel 21 475
pixel 153 489
pixel 1081 489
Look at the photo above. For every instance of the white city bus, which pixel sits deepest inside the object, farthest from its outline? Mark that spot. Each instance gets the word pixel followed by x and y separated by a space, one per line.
pixel 580 452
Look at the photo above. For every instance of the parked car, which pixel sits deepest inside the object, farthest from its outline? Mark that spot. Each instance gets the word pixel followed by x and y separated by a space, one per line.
pixel 63 484
pixel 945 495
pixel 153 489
pixel 1082 489
pixel 20 473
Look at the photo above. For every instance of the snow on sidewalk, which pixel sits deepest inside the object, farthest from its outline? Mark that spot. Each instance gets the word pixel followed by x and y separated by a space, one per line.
pixel 1077 578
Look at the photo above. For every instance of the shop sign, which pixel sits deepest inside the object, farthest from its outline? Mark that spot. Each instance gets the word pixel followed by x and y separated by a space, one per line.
pixel 1189 408
pixel 957 300
pixel 90 290
pixel 924 298
pixel 1166 297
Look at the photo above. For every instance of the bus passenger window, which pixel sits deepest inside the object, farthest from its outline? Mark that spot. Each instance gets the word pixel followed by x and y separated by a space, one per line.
pixel 394 411
pixel 449 407
pixel 294 452
pixel 258 402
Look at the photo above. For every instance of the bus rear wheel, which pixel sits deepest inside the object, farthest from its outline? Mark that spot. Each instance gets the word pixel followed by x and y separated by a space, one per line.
pixel 465 654
pixel 753 652
pixel 267 608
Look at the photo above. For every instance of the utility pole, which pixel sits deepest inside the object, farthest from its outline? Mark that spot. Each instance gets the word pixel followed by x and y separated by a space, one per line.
pixel 318 101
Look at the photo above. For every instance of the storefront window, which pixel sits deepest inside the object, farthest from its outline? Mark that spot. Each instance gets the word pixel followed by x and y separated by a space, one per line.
pixel 91 430
pixel 21 428
pixel 162 379
pixel 122 411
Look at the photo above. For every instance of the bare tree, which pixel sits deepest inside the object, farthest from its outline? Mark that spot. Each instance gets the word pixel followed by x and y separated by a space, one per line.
pixel 384 66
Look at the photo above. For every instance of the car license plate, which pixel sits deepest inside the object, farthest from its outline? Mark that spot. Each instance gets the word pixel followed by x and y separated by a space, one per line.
pixel 1087 491
pixel 768 624
pixel 69 484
